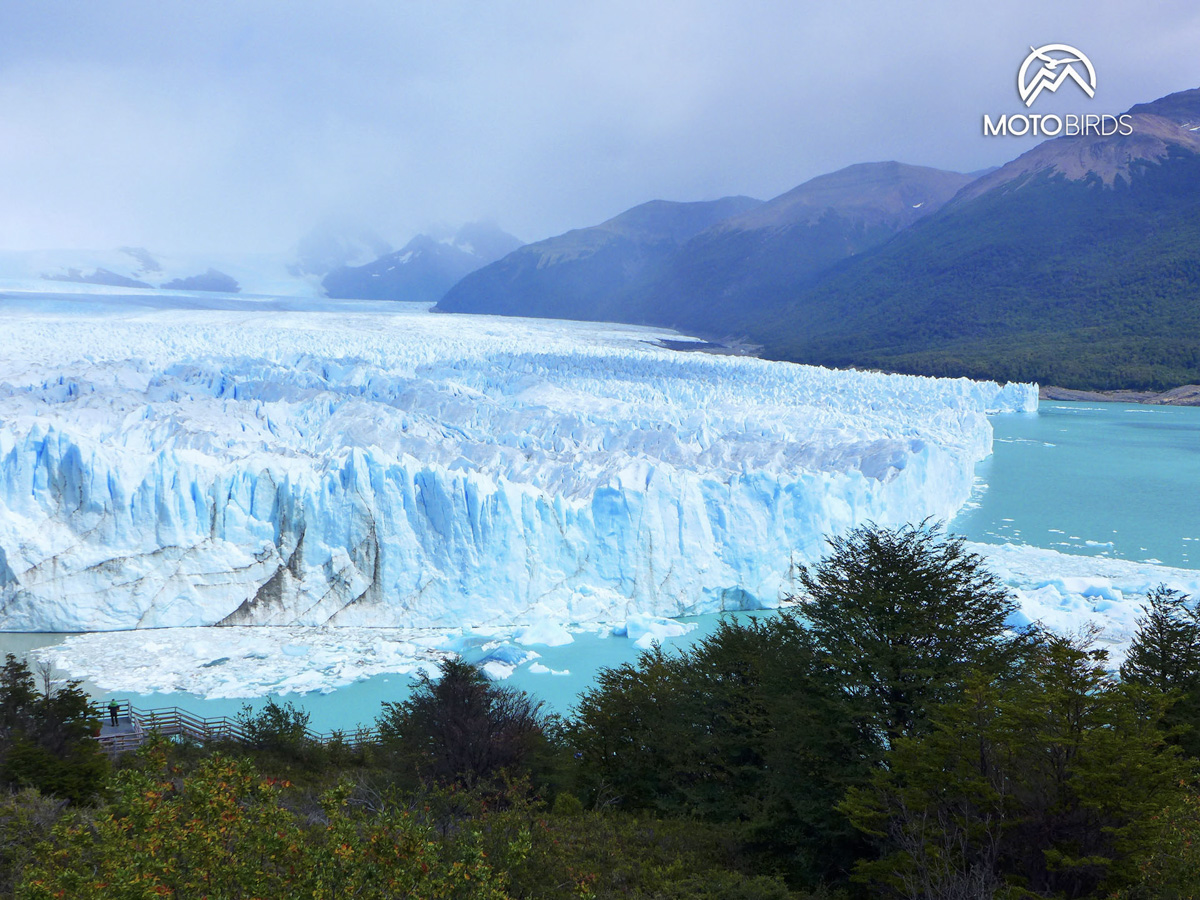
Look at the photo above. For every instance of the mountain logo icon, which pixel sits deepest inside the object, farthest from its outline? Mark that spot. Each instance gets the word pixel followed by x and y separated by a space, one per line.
pixel 1054 71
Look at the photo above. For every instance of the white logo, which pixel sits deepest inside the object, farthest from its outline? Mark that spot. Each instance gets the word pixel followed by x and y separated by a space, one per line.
pixel 1054 72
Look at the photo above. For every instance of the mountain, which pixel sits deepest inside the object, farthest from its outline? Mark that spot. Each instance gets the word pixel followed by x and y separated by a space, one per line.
pixel 98 276
pixel 211 280
pixel 589 273
pixel 112 270
pixel 1076 264
pixel 703 265
pixel 424 269
pixel 332 245
pixel 724 272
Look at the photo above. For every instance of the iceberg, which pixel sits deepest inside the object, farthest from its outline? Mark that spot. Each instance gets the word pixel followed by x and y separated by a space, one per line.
pixel 173 465
pixel 1066 592
pixel 646 631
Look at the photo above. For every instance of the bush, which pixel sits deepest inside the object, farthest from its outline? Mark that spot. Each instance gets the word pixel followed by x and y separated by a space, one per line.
pixel 226 832
pixel 26 818
pixel 280 730
pixel 463 729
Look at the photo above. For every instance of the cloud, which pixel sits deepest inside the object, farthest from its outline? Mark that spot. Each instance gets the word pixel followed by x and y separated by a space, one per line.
pixel 236 126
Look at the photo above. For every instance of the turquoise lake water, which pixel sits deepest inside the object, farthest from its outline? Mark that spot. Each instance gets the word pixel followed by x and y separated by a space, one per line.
pixel 1116 480
pixel 1104 479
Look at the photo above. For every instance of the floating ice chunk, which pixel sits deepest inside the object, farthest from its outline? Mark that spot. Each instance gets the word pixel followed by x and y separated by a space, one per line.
pixel 645 630
pixel 1086 587
pixel 497 671
pixel 539 669
pixel 544 633
pixel 506 654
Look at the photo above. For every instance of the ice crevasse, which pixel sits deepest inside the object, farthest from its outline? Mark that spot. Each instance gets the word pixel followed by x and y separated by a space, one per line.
pixel 175 467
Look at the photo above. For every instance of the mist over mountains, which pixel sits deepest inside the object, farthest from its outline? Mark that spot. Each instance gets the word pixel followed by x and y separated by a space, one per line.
pixel 592 273
pixel 1077 263
pixel 424 268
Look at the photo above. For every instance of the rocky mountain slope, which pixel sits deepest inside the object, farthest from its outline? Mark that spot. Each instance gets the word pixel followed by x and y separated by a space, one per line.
pixel 591 273
pixel 1077 264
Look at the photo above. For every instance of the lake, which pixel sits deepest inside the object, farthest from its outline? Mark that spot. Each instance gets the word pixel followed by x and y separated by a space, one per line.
pixel 1111 480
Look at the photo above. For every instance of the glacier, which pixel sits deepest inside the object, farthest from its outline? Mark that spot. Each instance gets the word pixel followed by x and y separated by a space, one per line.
pixel 1061 591
pixel 197 461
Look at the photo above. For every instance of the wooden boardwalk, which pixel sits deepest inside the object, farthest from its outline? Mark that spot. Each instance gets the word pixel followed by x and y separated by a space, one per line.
pixel 135 726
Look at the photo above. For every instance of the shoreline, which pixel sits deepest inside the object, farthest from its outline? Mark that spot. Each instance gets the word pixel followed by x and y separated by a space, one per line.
pixel 1185 395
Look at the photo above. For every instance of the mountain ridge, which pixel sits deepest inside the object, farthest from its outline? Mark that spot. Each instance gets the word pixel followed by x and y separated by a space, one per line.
pixel 1077 263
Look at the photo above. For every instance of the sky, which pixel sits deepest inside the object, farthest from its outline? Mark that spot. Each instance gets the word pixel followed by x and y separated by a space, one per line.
pixel 203 125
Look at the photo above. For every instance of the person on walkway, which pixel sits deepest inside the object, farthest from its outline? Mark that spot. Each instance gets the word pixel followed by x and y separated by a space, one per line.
pixel 113 709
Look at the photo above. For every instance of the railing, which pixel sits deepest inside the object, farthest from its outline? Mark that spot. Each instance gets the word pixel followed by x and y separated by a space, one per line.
pixel 176 722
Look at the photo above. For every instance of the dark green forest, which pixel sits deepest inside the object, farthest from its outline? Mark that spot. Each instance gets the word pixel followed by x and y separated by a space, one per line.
pixel 1065 282
pixel 887 735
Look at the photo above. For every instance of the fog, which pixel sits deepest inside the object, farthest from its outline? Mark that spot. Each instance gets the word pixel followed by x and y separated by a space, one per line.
pixel 219 126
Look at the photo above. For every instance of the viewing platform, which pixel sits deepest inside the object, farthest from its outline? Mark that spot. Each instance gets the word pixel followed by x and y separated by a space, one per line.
pixel 135 726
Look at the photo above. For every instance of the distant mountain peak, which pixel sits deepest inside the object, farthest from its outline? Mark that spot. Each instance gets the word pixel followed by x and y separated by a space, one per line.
pixel 424 268
pixel 889 192
pixel 1159 127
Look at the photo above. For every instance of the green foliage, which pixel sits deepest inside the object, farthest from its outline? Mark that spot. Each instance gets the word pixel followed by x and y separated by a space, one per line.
pixel 1171 868
pixel 901 615
pixel 26 818
pixel 746 728
pixel 1062 282
pixel 281 729
pixel 46 736
pixel 1165 650
pixel 1042 784
pixel 225 833
pixel 463 729
pixel 603 855
pixel 1165 655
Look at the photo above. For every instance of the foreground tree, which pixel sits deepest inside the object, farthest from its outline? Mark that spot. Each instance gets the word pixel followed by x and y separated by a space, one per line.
pixel 1165 655
pixel 46 735
pixel 463 729
pixel 746 729
pixel 1044 784
pixel 1171 868
pixel 902 615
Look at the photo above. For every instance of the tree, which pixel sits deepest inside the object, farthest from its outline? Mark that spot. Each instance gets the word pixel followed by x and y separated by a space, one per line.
pixel 1165 655
pixel 1165 650
pixel 745 728
pixel 46 738
pixel 1171 869
pixel 1045 784
pixel 461 728
pixel 902 615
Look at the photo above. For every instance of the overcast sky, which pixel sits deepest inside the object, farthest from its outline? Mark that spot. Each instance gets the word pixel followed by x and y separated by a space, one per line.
pixel 207 125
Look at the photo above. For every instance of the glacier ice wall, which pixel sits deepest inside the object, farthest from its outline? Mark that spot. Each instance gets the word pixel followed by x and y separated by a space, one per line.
pixel 251 466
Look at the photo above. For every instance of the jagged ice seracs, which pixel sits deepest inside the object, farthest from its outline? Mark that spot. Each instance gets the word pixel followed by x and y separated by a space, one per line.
pixel 361 465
